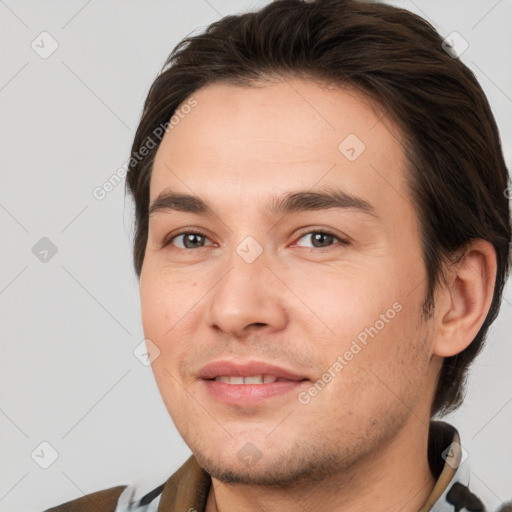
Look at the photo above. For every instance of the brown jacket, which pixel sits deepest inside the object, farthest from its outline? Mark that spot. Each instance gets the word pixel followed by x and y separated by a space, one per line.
pixel 186 489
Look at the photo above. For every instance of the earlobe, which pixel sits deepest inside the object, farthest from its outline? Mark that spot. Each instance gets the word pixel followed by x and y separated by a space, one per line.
pixel 466 299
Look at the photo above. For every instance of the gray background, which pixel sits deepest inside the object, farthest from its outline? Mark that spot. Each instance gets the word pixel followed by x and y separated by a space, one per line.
pixel 69 325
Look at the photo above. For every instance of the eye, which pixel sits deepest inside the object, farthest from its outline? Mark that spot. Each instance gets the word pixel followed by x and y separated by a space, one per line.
pixel 187 240
pixel 196 240
pixel 321 239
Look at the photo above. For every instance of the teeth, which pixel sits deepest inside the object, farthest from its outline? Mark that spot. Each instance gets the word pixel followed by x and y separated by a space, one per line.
pixel 253 379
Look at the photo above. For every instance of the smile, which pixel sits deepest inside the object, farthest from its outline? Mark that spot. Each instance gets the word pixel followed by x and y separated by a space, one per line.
pixel 253 379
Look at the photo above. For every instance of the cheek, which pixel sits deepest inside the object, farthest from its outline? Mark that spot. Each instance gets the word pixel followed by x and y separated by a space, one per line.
pixel 343 302
pixel 370 318
pixel 163 308
pixel 166 299
pixel 167 295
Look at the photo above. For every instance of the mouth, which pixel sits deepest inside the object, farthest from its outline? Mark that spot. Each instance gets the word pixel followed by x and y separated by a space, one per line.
pixel 253 379
pixel 250 383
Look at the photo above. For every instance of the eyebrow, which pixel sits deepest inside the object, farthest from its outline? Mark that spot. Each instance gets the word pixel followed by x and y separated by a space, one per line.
pixel 291 202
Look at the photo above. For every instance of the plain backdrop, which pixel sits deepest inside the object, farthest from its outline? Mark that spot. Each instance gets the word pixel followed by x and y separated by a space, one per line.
pixel 74 396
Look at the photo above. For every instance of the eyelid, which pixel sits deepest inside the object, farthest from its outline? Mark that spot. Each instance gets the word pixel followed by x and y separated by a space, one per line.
pixel 184 231
pixel 309 230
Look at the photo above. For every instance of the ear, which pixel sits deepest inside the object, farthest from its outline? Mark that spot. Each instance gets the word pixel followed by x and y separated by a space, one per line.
pixel 463 304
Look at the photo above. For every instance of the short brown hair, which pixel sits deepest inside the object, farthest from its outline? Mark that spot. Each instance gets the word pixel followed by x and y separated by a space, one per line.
pixel 457 174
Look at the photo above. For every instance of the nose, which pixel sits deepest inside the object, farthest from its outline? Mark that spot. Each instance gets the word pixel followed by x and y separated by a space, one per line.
pixel 248 298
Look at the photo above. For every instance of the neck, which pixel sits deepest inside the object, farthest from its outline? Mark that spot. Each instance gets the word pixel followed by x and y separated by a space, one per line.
pixel 398 477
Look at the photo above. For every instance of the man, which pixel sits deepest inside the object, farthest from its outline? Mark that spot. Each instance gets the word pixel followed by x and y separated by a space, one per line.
pixel 322 240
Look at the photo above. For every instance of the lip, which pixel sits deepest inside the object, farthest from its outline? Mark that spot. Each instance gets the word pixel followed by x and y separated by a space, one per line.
pixel 249 394
pixel 247 369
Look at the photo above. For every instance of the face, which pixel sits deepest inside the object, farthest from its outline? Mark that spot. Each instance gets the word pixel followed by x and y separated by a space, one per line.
pixel 301 261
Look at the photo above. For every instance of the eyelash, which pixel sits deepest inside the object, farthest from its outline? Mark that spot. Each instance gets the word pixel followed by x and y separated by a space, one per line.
pixel 168 240
pixel 310 231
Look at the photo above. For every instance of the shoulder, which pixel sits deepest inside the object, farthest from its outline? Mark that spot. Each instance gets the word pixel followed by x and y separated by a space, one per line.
pixel 189 485
pixel 99 501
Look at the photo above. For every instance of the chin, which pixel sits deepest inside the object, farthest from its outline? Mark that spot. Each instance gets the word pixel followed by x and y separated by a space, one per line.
pixel 248 467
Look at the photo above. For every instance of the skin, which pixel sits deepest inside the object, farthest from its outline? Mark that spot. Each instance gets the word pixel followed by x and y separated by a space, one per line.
pixel 360 443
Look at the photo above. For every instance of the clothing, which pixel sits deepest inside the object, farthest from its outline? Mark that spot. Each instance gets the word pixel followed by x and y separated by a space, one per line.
pixel 187 489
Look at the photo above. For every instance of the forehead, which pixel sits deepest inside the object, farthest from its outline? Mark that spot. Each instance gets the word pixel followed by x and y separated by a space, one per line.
pixel 278 136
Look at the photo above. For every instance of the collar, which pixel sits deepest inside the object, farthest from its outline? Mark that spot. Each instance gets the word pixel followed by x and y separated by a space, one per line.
pixel 446 458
